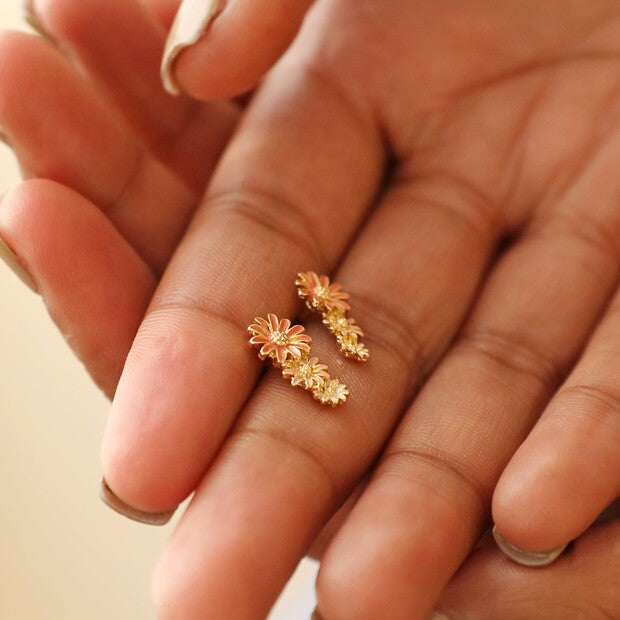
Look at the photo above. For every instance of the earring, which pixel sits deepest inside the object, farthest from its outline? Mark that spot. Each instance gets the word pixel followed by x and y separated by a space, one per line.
pixel 288 347
pixel 331 303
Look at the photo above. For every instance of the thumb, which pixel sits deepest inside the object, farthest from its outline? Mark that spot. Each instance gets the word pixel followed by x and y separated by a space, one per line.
pixel 245 38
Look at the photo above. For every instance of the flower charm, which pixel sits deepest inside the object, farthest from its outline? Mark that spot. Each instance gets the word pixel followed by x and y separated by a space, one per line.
pixel 331 392
pixel 278 339
pixel 306 372
pixel 352 348
pixel 288 347
pixel 319 294
pixel 329 301
pixel 340 325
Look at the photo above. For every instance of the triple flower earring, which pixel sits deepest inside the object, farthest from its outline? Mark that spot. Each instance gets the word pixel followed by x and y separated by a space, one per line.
pixel 330 302
pixel 288 347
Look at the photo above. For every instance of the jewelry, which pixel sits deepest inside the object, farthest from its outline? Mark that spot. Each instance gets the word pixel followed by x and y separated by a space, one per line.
pixel 288 347
pixel 331 303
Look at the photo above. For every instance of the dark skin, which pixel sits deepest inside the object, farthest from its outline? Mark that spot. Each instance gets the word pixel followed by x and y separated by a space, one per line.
pixel 454 166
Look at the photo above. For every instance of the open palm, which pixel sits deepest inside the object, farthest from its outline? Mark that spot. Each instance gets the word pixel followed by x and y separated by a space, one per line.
pixel 455 170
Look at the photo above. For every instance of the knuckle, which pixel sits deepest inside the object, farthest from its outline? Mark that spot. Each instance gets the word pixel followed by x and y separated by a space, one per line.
pixel 418 463
pixel 460 200
pixel 274 215
pixel 169 313
pixel 322 474
pixel 513 354
pixel 593 235
pixel 598 402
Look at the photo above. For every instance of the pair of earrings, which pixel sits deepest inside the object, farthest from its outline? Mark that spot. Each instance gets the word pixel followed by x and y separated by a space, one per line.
pixel 288 346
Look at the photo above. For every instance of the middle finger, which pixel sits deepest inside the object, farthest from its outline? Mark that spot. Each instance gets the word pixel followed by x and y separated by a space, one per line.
pixel 288 463
pixel 275 206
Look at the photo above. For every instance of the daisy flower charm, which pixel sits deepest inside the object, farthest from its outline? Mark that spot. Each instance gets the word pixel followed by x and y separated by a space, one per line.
pixel 327 298
pixel 319 294
pixel 288 347
pixel 278 339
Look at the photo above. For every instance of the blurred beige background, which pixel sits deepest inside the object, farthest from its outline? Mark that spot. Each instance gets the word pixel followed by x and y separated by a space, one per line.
pixel 63 554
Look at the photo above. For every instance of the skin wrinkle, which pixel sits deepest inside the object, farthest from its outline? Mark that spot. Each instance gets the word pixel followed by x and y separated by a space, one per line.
pixel 392 464
pixel 604 397
pixel 513 355
pixel 595 236
pixel 278 216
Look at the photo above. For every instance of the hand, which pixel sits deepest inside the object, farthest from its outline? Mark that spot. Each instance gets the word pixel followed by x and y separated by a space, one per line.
pixel 484 114
pixel 117 167
pixel 433 215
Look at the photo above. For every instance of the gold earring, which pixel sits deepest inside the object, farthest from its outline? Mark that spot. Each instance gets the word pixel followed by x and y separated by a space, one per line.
pixel 288 347
pixel 331 303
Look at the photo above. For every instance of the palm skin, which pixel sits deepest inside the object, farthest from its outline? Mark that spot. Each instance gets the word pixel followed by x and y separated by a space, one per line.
pixel 455 169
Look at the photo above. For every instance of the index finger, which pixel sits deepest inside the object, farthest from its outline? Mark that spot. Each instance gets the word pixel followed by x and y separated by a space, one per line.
pixel 285 197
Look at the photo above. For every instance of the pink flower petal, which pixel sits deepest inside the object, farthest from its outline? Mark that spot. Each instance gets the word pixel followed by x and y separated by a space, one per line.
pixel 273 321
pixel 284 325
pixel 267 348
pixel 262 322
pixel 258 340
pixel 296 329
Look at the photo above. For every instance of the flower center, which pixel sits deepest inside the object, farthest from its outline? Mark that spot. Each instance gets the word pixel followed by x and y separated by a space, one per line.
pixel 280 338
pixel 330 388
pixel 305 370
pixel 321 292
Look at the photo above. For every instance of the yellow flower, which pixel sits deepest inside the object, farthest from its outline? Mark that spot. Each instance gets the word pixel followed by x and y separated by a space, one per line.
pixel 278 339
pixel 339 324
pixel 307 372
pixel 331 392
pixel 350 346
pixel 319 294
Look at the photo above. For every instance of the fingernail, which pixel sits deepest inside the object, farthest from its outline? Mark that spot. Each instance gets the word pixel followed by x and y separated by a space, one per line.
pixel 9 257
pixel 4 138
pixel 437 615
pixel 150 518
pixel 521 556
pixel 190 23
pixel 32 19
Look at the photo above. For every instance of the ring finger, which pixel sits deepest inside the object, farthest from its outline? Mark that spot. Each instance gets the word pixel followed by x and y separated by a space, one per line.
pixel 436 478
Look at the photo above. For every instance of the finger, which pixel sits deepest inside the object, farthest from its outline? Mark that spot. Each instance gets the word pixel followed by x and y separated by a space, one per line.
pixel 244 40
pixel 95 286
pixel 436 477
pixel 288 464
pixel 332 527
pixel 568 469
pixel 120 45
pixel 581 584
pixel 269 213
pixel 63 132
